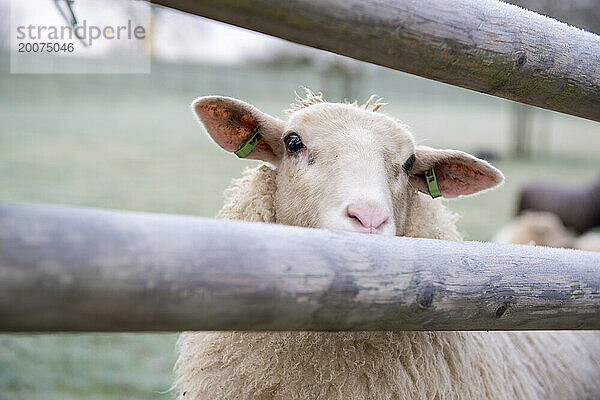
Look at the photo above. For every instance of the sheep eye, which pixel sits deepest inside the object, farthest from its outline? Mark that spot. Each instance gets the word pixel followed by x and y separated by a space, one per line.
pixel 409 163
pixel 293 143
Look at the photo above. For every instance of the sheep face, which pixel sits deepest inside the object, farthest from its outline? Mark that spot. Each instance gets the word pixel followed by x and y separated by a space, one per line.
pixel 340 166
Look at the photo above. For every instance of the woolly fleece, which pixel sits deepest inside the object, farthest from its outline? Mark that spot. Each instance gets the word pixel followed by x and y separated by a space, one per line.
pixel 381 365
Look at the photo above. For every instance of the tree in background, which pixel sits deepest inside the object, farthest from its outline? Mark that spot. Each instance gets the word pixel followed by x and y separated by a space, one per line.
pixel 584 14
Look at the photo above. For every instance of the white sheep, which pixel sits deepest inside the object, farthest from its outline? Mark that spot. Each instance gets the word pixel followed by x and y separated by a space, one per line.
pixel 341 166
pixel 538 228
pixel 588 241
pixel 542 228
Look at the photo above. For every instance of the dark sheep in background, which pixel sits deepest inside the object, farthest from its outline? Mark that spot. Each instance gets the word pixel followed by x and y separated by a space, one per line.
pixel 577 207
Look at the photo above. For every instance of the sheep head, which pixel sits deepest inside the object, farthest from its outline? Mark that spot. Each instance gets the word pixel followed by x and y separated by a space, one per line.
pixel 342 166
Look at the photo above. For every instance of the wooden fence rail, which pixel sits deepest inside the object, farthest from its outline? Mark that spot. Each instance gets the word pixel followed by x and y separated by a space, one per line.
pixel 76 269
pixel 483 45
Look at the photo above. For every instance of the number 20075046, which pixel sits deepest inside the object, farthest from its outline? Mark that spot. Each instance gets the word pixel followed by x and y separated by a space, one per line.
pixel 45 47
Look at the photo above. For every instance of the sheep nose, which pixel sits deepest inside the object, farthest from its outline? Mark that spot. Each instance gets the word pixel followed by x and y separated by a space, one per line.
pixel 367 219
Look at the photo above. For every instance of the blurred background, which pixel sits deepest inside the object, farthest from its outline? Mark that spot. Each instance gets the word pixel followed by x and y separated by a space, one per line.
pixel 129 141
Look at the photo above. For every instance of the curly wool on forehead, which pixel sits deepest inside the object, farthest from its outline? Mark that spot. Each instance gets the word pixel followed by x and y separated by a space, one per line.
pixel 374 102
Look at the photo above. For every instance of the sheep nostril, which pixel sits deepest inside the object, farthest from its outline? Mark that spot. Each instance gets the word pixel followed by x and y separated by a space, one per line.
pixel 382 221
pixel 355 215
pixel 368 218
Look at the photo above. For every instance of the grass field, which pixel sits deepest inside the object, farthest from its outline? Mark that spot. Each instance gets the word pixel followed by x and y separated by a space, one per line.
pixel 130 142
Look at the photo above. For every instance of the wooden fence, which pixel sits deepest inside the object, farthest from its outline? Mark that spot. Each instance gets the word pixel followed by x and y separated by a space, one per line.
pixel 76 269
pixel 484 45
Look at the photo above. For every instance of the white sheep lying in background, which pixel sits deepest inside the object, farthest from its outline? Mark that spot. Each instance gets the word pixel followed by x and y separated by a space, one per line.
pixel 340 166
pixel 542 228
pixel 588 241
pixel 539 228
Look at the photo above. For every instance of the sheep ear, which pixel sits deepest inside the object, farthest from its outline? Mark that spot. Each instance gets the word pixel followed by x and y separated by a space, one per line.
pixel 457 173
pixel 234 124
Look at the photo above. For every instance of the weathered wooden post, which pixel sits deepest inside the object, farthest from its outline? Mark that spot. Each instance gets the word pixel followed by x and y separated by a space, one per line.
pixel 74 269
pixel 484 45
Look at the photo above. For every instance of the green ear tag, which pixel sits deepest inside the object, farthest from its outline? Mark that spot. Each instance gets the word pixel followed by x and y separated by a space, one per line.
pixel 246 148
pixel 432 184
